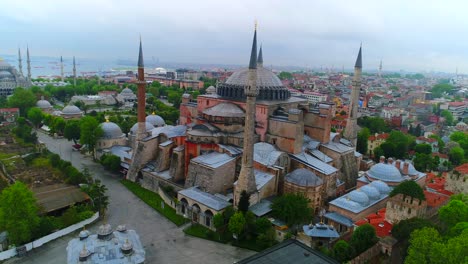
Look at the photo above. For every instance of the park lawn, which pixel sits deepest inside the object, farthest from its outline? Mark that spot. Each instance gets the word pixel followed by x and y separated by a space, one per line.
pixel 154 200
pixel 200 231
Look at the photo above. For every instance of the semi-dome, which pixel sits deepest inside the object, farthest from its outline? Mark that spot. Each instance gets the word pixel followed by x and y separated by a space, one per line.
pixel 359 197
pixel 269 86
pixel 381 186
pixel 111 130
pixel 71 110
pixel 303 177
pixel 385 172
pixel 148 126
pixel 126 91
pixel 43 104
pixel 225 110
pixel 371 192
pixel 211 90
pixel 155 120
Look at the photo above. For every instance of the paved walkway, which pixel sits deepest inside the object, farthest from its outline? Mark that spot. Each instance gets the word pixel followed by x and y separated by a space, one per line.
pixel 164 242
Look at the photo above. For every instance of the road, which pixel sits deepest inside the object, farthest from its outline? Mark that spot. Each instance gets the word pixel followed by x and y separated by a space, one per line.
pixel 164 242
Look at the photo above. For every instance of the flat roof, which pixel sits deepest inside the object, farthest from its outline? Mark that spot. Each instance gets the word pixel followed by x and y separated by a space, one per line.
pixel 58 196
pixel 288 251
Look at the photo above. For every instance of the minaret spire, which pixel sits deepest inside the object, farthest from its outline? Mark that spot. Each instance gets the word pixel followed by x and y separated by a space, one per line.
pixel 20 64
pixel 350 132
pixel 260 57
pixel 246 181
pixel 74 72
pixel 28 61
pixel 61 69
pixel 380 69
pixel 141 92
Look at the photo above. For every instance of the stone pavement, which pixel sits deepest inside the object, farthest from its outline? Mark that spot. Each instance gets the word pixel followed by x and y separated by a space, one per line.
pixel 164 242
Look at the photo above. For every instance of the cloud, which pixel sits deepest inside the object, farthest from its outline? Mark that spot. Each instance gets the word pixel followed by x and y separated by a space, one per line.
pixel 412 35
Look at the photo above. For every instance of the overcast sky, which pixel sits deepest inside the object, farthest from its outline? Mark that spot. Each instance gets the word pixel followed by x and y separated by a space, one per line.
pixel 411 35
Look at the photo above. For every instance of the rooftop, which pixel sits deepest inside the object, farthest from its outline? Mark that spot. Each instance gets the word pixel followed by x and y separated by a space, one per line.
pixel 58 196
pixel 205 198
pixel 213 159
pixel 288 251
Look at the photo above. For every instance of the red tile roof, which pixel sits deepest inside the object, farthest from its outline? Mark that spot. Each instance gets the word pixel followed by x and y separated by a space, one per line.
pixel 377 220
pixel 463 169
pixel 379 136
pixel 435 199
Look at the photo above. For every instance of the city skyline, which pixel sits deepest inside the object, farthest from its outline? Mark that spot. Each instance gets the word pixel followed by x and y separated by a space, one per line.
pixel 314 35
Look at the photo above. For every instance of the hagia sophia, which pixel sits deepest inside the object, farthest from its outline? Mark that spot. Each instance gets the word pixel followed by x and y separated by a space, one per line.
pixel 250 134
pixel 247 133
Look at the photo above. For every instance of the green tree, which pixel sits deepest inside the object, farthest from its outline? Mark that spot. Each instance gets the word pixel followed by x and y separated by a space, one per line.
pixel 58 125
pixel 456 155
pixel 458 136
pixel 439 89
pixel 90 132
pixel 262 225
pixel 22 99
pixel 237 224
pixel 342 251
pixel 285 76
pixel 362 138
pixel 454 212
pixel 423 148
pixel 374 124
pixel 292 208
pixel 421 245
pixel 447 116
pixel 440 142
pixel 403 229
pixel 97 192
pixel 111 162
pixel 35 115
pixel 218 222
pixel 363 238
pixel 18 213
pixel 72 130
pixel 409 188
pixel 423 162
pixel 244 202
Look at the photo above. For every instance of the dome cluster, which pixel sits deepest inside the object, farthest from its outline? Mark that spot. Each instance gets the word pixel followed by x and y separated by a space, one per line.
pixel 385 172
pixel 363 197
pixel 303 177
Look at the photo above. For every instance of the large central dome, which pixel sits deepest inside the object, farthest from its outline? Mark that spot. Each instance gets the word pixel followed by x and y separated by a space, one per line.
pixel 269 86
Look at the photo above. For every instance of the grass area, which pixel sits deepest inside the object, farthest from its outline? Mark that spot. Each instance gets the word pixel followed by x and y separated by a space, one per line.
pixel 154 200
pixel 200 231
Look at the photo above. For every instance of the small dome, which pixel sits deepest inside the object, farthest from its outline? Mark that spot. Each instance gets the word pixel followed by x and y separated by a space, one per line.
pixel 359 197
pixel 71 110
pixel 371 192
pixel 127 247
pixel 104 231
pixel 155 120
pixel 385 172
pixel 84 254
pixel 211 90
pixel 111 130
pixel 303 177
pixel 121 228
pixel 43 104
pixel 126 91
pixel 83 234
pixel 148 126
pixel 381 186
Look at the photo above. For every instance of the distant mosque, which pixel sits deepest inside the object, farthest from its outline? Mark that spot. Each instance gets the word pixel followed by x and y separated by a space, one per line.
pixel 10 78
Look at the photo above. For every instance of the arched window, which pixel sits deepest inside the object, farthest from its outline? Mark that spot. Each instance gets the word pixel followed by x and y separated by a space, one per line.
pixel 208 218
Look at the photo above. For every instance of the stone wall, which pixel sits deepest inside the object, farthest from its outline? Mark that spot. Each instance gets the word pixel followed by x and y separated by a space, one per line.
pixel 457 182
pixel 211 180
pixel 401 207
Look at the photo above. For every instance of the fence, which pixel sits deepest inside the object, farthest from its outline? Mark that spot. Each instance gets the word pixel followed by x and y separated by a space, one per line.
pixel 367 255
pixel 41 241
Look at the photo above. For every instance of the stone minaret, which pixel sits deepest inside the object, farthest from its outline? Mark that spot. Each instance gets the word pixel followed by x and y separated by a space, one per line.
pixel 351 124
pixel 28 61
pixel 137 156
pixel 74 71
pixel 260 58
pixel 380 69
pixel 20 63
pixel 61 69
pixel 246 179
pixel 141 95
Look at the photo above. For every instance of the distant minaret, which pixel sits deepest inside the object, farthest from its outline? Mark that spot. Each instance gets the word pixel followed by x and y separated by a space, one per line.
pixel 260 58
pixel 61 69
pixel 246 179
pixel 28 61
pixel 74 71
pixel 20 63
pixel 380 69
pixel 141 95
pixel 351 124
